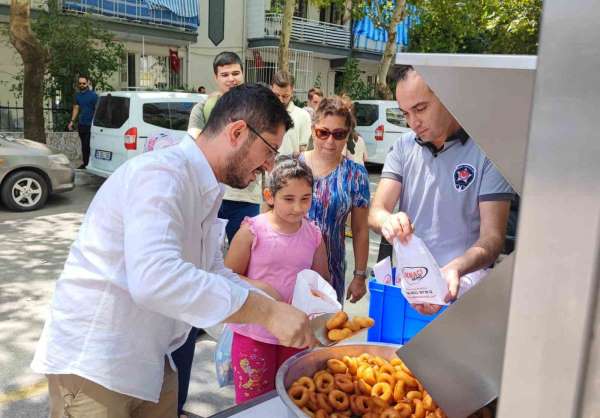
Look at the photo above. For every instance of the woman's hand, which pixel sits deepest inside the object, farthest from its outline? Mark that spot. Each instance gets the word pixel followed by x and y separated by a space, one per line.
pixel 357 289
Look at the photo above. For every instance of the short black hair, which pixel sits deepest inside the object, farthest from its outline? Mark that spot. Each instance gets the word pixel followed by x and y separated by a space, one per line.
pixel 257 105
pixel 83 76
pixel 282 79
pixel 226 58
pixel 399 73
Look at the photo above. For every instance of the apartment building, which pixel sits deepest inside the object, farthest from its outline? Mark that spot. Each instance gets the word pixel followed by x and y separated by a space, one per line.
pixel 170 44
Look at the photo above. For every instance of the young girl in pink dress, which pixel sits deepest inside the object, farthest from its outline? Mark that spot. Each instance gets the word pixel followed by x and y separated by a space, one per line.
pixel 269 250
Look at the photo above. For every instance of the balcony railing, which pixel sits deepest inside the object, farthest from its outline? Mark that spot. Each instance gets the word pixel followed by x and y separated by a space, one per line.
pixel 309 31
pixel 136 11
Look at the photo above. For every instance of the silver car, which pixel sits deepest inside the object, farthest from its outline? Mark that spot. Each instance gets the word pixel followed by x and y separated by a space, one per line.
pixel 29 172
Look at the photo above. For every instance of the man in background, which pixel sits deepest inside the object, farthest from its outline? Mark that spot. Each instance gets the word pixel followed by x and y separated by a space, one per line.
pixel 85 104
pixel 296 139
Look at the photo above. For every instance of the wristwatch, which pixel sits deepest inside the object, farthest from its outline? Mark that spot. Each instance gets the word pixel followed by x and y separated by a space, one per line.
pixel 360 273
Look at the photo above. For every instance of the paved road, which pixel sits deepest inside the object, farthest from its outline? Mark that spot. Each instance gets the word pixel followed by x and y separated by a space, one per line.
pixel 33 248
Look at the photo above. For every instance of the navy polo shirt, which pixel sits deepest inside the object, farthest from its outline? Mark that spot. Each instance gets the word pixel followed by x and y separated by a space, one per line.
pixel 87 103
pixel 441 190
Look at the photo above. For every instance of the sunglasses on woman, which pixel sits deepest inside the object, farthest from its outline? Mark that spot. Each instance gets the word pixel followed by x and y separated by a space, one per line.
pixel 337 134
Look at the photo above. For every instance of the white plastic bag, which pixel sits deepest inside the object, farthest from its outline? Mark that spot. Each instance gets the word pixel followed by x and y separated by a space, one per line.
pixel 222 358
pixel 420 277
pixel 314 295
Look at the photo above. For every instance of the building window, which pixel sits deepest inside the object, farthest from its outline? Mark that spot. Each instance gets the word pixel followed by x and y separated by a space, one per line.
pixel 156 72
pixel 332 14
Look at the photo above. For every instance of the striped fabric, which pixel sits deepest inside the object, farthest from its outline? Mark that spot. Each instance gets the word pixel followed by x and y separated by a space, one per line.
pixel 366 29
pixel 184 8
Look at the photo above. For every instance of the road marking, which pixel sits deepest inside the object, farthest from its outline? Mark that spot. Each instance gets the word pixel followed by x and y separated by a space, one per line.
pixel 24 392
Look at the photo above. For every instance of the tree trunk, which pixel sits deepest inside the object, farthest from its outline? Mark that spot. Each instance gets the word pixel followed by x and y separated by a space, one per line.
pixel 34 58
pixel 389 52
pixel 283 57
pixel 347 11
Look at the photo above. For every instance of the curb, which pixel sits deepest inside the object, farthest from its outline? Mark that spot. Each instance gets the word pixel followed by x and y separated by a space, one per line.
pixel 84 178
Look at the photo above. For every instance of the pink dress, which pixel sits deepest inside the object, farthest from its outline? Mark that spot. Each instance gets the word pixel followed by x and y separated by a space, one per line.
pixel 276 258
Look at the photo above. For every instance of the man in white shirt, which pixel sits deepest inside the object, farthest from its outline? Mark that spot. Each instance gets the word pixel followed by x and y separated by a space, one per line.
pixel 146 266
pixel 296 139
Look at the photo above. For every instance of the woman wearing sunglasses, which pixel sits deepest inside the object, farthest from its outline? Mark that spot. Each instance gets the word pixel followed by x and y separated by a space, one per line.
pixel 341 188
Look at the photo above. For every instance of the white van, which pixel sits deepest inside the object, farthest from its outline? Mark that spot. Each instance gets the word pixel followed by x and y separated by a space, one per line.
pixel 380 123
pixel 124 120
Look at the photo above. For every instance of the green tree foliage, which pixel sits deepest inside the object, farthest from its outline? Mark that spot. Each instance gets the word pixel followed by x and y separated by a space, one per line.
pixel 352 83
pixel 76 45
pixel 476 26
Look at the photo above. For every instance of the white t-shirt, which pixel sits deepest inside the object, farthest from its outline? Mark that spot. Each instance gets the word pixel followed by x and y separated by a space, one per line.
pixel 300 134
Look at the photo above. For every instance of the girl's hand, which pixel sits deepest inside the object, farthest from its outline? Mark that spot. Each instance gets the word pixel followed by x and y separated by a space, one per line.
pixel 356 290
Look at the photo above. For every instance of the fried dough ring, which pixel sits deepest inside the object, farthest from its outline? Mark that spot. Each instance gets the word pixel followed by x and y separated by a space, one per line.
pixel 299 395
pixel 323 403
pixel 351 364
pixel 390 413
pixel 306 382
pixel 321 413
pixel 339 334
pixel 337 320
pixel 344 382
pixel 387 378
pixel 324 382
pixel 404 409
pixel 308 412
pixel 419 410
pixel 399 391
pixel 364 321
pixel 336 366
pixel 382 390
pixel 338 399
pixel 364 387
pixel 414 394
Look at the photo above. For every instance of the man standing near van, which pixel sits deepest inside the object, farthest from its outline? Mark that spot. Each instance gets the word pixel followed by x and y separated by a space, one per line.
pixel 85 104
pixel 296 139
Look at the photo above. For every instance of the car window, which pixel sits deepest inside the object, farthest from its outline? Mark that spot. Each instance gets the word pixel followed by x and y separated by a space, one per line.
pixel 180 115
pixel 157 114
pixel 111 111
pixel 395 117
pixel 366 114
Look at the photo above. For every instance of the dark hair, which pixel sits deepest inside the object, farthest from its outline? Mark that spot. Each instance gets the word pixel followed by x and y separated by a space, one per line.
pixel 84 77
pixel 315 91
pixel 335 106
pixel 226 58
pixel 256 105
pixel 282 79
pixel 288 168
pixel 399 73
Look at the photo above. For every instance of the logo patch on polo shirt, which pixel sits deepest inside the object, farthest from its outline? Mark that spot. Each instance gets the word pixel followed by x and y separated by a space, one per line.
pixel 464 174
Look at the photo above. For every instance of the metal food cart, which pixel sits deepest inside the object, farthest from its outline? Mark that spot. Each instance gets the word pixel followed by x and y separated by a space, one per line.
pixel 530 333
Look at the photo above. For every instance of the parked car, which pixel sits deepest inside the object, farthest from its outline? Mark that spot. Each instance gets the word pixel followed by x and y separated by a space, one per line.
pixel 29 172
pixel 380 123
pixel 124 121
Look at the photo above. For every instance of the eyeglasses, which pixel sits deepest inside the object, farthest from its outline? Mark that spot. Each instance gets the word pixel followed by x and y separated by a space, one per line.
pixel 338 134
pixel 274 150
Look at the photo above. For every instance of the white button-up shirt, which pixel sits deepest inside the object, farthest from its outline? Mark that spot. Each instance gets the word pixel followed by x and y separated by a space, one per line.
pixel 146 264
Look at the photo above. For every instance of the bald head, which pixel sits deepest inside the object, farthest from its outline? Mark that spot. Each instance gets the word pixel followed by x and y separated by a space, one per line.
pixel 424 112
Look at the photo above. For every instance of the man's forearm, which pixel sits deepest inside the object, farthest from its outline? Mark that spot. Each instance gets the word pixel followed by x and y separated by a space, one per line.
pixel 377 217
pixel 256 310
pixel 74 113
pixel 481 255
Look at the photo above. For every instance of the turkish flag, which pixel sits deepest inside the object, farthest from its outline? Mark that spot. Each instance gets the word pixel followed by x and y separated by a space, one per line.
pixel 174 60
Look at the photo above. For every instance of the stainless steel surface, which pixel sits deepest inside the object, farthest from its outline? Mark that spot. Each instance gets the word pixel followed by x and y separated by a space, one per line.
pixel 458 357
pixel 491 98
pixel 317 325
pixel 308 362
pixel 550 363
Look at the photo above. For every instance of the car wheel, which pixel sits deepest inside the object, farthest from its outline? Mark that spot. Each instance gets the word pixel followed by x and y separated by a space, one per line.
pixel 24 190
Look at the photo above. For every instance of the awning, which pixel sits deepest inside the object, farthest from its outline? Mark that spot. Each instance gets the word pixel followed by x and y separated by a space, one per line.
pixel 366 28
pixel 184 8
